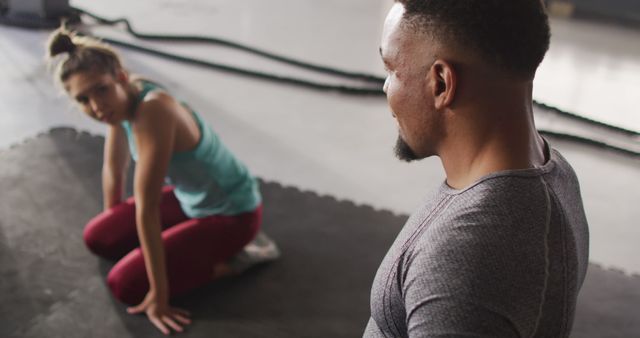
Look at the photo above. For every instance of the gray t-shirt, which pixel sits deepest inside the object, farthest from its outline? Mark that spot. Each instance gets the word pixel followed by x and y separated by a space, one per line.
pixel 504 257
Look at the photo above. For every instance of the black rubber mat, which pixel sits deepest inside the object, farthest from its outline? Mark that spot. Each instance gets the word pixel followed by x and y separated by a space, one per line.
pixel 51 286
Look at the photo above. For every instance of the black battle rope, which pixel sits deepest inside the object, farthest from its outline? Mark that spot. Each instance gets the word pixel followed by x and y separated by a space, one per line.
pixel 234 45
pixel 350 90
pixel 580 139
pixel 250 73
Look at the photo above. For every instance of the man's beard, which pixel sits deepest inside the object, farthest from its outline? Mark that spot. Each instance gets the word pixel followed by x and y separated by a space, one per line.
pixel 403 151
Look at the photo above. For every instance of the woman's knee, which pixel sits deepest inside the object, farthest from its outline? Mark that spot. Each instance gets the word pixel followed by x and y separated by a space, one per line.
pixel 105 234
pixel 123 287
pixel 128 278
pixel 94 238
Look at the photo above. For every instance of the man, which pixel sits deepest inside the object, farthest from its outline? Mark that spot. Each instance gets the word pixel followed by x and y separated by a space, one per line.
pixel 501 249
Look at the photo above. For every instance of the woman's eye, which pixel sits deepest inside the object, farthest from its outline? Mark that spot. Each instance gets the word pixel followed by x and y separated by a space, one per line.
pixel 102 89
pixel 82 100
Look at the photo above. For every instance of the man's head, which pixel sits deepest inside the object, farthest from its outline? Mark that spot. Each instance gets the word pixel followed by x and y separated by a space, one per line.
pixel 430 48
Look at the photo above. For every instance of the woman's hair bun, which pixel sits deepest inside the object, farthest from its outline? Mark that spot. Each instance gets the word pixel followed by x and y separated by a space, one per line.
pixel 61 42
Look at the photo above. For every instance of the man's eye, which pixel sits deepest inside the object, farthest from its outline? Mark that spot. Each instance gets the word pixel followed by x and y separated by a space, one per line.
pixel 102 89
pixel 82 100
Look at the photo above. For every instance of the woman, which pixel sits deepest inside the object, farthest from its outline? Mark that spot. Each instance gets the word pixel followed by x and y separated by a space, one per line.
pixel 168 239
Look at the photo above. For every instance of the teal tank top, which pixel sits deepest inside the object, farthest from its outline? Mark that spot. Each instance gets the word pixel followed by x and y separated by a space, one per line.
pixel 208 179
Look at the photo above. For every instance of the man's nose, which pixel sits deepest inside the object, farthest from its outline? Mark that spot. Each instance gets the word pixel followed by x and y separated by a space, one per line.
pixel 96 108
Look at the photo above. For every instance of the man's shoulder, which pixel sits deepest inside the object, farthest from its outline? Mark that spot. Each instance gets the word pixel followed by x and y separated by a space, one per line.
pixel 504 214
pixel 498 199
pixel 484 235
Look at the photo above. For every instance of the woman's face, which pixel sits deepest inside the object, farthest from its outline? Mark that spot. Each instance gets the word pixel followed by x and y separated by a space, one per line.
pixel 102 96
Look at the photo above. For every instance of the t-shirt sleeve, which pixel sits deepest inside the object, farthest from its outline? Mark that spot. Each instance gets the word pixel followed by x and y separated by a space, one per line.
pixel 445 316
pixel 466 282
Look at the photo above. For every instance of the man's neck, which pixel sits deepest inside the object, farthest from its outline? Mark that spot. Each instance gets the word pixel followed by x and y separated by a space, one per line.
pixel 488 142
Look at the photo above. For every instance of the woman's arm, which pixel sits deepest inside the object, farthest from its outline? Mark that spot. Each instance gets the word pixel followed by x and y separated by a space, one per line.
pixel 115 165
pixel 154 131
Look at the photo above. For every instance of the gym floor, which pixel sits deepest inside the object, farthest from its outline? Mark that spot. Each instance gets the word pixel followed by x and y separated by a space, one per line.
pixel 341 145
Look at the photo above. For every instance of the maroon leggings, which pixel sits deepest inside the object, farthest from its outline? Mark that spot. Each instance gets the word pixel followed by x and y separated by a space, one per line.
pixel 192 246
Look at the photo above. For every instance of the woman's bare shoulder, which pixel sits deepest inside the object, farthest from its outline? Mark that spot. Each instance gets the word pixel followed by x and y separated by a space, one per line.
pixel 156 113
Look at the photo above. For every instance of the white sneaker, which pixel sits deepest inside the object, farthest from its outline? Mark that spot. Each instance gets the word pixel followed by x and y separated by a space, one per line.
pixel 261 249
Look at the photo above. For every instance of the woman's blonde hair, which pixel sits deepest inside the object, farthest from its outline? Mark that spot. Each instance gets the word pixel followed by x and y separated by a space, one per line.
pixel 82 54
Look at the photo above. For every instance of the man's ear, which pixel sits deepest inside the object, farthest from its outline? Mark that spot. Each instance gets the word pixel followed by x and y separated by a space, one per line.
pixel 443 83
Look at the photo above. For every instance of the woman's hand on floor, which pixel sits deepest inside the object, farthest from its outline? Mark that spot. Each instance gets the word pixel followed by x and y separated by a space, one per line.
pixel 161 314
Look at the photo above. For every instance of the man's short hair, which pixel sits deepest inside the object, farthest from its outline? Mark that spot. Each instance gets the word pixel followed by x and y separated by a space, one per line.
pixel 512 35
